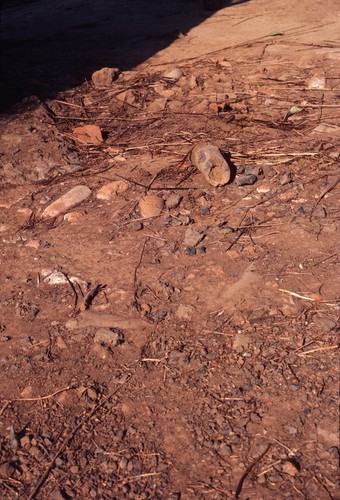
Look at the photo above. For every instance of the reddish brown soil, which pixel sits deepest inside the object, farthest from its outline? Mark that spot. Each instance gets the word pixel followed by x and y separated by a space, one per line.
pixel 224 381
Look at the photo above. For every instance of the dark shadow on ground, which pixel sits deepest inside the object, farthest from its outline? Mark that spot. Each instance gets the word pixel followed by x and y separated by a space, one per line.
pixel 49 46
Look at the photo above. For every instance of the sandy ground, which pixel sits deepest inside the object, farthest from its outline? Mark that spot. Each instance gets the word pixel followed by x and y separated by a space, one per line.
pixel 191 354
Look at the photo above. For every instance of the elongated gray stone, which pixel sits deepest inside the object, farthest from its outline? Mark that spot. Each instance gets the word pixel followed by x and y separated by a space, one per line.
pixel 68 200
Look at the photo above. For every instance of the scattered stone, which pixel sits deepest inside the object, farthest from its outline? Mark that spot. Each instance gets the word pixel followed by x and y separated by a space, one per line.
pixel 10 197
pixel 159 316
pixel 101 351
pixel 135 226
pixel 151 205
pixel 25 212
pixel 288 195
pixel 127 96
pixel 286 178
pixel 57 494
pixel 263 188
pixel 191 251
pixel 73 217
pixel 248 180
pixel 208 159
pixel 173 200
pixel 193 81
pixel 325 324
pixel 60 342
pixel 6 470
pixel 178 358
pixel 157 105
pixel 58 278
pixel 241 342
pixel 185 311
pixel 25 441
pixel 114 150
pixel 4 227
pixel 103 78
pixel 109 336
pixel 290 468
pixel 201 250
pixel 180 220
pixel 255 418
pixel 73 197
pixel 36 453
pixel 145 309
pixel 33 244
pixel 173 74
pixel 200 107
pixel 225 450
pixel 113 188
pixel 46 244
pixel 205 211
pixel 193 237
pixel 327 128
pixel 334 451
pixel 88 134
pixel 291 430
pixel 316 82
pixel 223 224
pixel 328 434
pixel 300 211
pixel 14 438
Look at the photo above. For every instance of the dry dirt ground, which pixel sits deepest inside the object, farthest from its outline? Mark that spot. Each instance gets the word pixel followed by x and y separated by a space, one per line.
pixel 134 362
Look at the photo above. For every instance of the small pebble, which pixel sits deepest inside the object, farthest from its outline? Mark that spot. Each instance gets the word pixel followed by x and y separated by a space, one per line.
pixel 45 244
pixel 111 189
pixel 324 324
pixel 224 225
pixel 135 226
pixel 334 451
pixel 286 178
pixel 247 181
pixel 205 211
pixel 200 250
pixel 193 237
pixel 225 450
pixel 159 316
pixel 290 468
pixel 191 251
pixel 180 220
pixel 173 200
pixel 101 351
pixel 173 74
pixel 109 336
pixel 300 211
pixel 104 77
pixel 150 205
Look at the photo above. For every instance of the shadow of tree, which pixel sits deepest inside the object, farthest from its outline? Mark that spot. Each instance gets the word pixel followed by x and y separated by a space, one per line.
pixel 49 46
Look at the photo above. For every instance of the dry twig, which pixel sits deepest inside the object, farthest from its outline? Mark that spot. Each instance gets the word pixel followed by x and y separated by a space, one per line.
pixel 40 398
pixel 247 472
pixel 327 190
pixel 135 284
